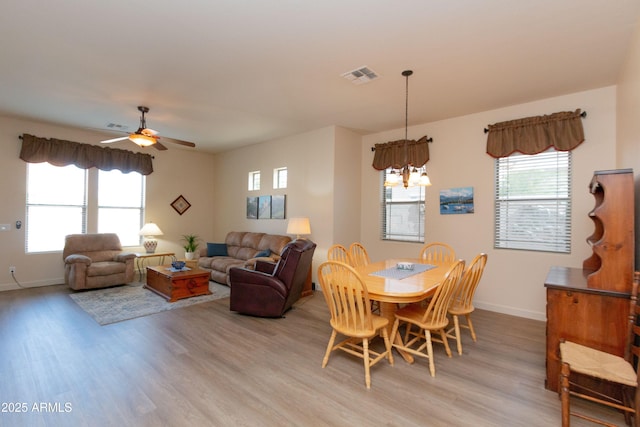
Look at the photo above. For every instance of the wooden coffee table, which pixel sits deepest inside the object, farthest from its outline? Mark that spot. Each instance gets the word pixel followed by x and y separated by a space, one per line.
pixel 177 285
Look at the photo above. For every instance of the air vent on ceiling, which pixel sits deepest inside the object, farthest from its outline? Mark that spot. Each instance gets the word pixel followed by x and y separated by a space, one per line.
pixel 361 75
pixel 115 126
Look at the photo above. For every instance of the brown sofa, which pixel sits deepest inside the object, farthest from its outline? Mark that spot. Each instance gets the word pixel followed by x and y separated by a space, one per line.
pixel 96 261
pixel 240 249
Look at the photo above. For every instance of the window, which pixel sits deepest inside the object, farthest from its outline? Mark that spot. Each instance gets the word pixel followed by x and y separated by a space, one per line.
pixel 254 180
pixel 56 205
pixel 402 212
pixel 121 205
pixel 533 202
pixel 280 178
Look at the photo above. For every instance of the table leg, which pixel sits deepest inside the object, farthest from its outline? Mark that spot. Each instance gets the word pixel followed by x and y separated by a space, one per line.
pixel 388 311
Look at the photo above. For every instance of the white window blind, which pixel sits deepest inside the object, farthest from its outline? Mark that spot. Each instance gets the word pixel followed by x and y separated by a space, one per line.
pixel 56 205
pixel 121 205
pixel 533 202
pixel 402 212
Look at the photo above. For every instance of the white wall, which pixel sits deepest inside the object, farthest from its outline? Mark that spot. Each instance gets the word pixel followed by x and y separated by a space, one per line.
pixel 514 280
pixel 309 158
pixel 176 172
pixel 628 125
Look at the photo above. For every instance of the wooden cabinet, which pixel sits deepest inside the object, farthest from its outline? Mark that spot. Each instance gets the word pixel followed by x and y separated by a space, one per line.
pixel 590 305
pixel 612 241
pixel 576 312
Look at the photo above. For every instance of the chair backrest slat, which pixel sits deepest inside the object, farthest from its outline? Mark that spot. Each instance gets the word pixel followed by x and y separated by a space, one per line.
pixel 339 253
pixel 437 253
pixel 346 296
pixel 441 301
pixel 359 255
pixel 469 282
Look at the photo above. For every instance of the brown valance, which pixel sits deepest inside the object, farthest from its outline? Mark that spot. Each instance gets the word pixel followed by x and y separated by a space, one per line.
pixel 533 135
pixel 396 154
pixel 85 156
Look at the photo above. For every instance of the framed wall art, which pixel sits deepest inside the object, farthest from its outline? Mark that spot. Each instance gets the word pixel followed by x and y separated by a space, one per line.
pixel 252 208
pixel 264 207
pixel 180 205
pixel 456 201
pixel 278 206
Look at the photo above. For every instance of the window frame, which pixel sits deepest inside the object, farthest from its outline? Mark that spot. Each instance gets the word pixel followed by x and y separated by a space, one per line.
pixel 387 230
pixel 254 181
pixel 277 178
pixel 536 215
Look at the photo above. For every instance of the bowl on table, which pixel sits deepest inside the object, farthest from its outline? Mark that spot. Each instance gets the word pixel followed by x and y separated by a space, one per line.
pixel 178 265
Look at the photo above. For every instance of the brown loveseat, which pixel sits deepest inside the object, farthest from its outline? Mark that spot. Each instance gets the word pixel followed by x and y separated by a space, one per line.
pixel 240 249
pixel 96 261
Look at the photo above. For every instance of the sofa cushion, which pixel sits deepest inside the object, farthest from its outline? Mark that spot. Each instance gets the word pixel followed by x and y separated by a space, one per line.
pixel 216 249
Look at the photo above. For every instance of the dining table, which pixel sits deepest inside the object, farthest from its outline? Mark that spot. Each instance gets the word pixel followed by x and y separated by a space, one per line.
pixel 392 286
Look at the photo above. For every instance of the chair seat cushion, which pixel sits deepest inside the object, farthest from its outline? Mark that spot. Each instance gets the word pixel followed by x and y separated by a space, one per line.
pixel 589 361
pixel 106 268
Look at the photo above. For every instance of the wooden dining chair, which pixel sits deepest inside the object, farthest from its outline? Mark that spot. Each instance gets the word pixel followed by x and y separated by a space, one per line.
pixel 462 304
pixel 603 366
pixel 340 253
pixel 350 309
pixel 437 253
pixel 433 319
pixel 359 255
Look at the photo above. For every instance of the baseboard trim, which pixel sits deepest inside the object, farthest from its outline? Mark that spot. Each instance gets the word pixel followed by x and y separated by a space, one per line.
pixel 36 284
pixel 527 314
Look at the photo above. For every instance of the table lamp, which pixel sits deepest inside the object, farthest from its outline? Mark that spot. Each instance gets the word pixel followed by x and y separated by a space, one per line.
pixel 298 226
pixel 150 230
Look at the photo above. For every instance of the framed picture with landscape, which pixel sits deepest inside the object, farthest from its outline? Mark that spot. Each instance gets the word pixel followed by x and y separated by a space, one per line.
pixel 252 208
pixel 278 207
pixel 264 207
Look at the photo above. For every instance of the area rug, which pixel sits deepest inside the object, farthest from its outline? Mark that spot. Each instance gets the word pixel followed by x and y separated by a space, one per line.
pixel 126 302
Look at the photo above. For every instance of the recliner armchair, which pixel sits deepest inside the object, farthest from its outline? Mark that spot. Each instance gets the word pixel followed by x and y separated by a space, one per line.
pixel 96 261
pixel 271 289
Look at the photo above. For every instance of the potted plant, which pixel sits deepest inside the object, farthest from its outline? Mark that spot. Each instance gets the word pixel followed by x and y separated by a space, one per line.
pixel 191 245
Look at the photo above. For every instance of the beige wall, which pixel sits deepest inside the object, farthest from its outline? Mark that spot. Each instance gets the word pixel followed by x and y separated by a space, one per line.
pixel 176 172
pixel 513 281
pixel 628 124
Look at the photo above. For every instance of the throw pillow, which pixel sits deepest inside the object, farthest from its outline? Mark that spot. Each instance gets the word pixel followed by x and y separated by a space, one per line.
pixel 216 249
pixel 263 254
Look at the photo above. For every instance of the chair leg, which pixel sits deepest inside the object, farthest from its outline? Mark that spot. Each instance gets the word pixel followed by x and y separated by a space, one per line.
pixel 445 341
pixel 329 347
pixel 387 345
pixel 470 325
pixel 564 394
pixel 432 366
pixel 367 361
pixel 456 323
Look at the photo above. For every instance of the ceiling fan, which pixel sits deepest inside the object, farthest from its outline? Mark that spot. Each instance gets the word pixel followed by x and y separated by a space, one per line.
pixel 145 137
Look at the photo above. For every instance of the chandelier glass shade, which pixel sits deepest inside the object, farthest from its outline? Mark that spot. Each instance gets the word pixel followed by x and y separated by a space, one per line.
pixel 142 140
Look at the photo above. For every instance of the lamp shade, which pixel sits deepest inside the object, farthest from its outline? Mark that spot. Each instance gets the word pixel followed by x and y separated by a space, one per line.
pixel 150 229
pixel 298 226
pixel 142 140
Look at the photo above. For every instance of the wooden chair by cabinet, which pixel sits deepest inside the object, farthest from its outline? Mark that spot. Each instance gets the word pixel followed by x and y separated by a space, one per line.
pixel 432 319
pixel 437 253
pixel 462 304
pixel 350 308
pixel 602 366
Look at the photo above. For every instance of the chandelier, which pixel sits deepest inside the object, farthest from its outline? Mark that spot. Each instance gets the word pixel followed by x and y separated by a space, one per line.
pixel 409 175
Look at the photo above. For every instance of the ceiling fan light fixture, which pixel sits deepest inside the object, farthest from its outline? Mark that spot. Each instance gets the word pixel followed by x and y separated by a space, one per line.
pixel 142 140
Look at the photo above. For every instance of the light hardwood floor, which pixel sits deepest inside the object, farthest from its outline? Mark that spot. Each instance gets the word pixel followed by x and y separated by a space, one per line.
pixel 206 366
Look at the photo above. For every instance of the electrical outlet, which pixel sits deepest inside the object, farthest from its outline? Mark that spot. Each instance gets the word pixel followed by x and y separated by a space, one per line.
pixel 12 269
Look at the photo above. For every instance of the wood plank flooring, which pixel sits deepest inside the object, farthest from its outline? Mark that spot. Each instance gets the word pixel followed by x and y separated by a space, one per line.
pixel 206 366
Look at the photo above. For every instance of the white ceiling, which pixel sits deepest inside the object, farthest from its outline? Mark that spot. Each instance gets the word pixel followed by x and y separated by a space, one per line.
pixel 228 73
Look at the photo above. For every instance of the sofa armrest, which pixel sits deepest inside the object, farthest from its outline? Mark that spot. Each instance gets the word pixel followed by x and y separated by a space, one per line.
pixel 258 264
pixel 124 256
pixel 77 259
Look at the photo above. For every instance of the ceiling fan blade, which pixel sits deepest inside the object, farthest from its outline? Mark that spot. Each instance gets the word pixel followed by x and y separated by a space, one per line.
pixel 159 146
pixel 178 141
pixel 109 141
